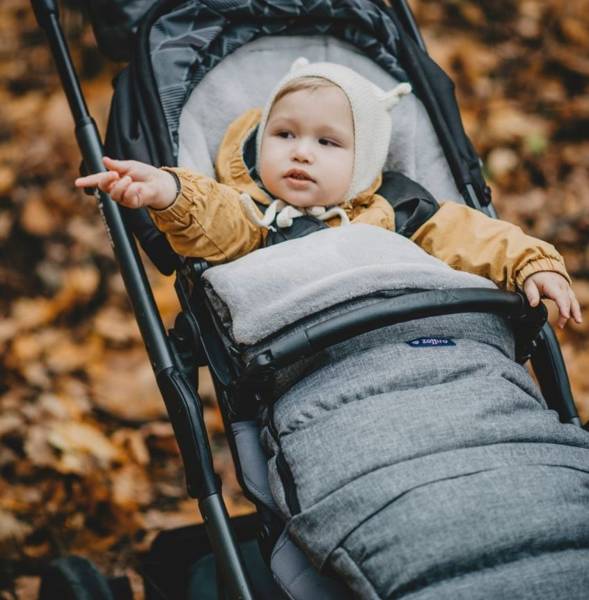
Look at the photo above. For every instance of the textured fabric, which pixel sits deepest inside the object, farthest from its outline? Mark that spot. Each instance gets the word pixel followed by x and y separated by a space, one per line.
pixel 371 116
pixel 269 289
pixel 432 472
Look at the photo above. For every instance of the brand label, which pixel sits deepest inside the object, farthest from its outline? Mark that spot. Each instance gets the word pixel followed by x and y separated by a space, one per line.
pixel 430 341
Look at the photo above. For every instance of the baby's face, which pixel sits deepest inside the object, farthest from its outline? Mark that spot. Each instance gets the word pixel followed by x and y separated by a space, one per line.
pixel 307 154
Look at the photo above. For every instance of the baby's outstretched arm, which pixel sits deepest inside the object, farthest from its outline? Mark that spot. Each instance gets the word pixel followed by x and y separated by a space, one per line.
pixel 133 184
pixel 548 284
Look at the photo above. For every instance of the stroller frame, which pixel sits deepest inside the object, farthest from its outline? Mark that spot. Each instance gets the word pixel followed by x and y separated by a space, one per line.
pixel 193 341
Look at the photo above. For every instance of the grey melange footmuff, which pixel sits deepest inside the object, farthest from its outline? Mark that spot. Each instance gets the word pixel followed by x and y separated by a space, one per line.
pixel 417 461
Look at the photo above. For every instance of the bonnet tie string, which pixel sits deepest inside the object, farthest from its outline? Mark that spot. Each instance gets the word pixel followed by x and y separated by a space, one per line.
pixel 283 214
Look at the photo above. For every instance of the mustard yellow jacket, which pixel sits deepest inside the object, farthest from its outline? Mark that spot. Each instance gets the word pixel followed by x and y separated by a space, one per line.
pixel 207 220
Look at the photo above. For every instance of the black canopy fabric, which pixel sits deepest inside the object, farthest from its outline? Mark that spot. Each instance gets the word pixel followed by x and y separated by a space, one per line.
pixel 115 23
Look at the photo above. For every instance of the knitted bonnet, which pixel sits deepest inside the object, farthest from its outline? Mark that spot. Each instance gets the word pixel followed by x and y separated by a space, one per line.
pixel 371 113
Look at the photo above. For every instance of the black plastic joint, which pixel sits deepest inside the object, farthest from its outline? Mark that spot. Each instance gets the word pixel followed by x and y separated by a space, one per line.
pixel 44 9
pixel 284 350
pixel 185 413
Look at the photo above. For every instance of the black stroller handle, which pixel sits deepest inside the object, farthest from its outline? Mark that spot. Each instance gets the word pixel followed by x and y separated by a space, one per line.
pixel 391 311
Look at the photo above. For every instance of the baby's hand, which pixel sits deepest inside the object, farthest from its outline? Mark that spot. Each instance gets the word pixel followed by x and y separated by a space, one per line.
pixel 133 184
pixel 549 284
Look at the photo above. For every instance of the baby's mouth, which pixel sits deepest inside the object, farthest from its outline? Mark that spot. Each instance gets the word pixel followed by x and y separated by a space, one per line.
pixel 298 174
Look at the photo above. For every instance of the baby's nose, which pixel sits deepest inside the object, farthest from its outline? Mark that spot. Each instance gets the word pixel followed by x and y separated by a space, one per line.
pixel 303 151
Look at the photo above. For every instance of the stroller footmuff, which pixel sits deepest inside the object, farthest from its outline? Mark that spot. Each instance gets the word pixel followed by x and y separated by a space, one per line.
pixel 418 459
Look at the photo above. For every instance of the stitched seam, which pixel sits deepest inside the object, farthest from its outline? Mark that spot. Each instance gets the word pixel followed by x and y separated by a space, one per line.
pixel 441 453
pixel 352 562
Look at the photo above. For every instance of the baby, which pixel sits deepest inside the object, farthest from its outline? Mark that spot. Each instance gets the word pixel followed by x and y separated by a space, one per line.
pixel 316 154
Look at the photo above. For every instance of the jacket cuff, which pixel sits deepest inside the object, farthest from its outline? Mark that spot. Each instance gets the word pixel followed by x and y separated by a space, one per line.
pixel 178 210
pixel 541 264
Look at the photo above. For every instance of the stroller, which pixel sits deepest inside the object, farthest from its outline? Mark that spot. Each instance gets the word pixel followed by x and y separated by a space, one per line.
pixel 170 107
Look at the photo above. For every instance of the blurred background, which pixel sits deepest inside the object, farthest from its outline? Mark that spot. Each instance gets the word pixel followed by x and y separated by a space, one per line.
pixel 88 462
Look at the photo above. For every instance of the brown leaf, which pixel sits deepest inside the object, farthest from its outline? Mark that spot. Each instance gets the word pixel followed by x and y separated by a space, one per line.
pixel 501 162
pixel 11 529
pixel 66 356
pixel 7 180
pixel 133 441
pixel 10 423
pixel 166 298
pixel 83 439
pixel 29 313
pixel 507 123
pixel 569 58
pixel 8 329
pixel 575 29
pixel 37 219
pixel 89 235
pixel 123 385
pixel 70 447
pixel 131 487
pixel 117 326
pixel 25 348
pixel 79 285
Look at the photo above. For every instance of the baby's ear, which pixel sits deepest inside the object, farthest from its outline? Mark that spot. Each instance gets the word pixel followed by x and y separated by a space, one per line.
pixel 299 63
pixel 394 96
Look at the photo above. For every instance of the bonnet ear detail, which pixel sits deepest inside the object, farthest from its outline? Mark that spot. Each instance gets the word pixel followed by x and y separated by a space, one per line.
pixel 394 96
pixel 299 63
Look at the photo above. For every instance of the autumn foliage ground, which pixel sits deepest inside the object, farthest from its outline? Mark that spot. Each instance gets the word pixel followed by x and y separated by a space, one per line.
pixel 88 462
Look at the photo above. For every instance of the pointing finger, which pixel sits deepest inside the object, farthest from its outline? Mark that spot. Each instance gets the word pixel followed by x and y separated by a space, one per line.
pixel 99 180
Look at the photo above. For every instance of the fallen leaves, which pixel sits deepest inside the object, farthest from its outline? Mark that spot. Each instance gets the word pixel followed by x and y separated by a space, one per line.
pixel 12 532
pixel 88 460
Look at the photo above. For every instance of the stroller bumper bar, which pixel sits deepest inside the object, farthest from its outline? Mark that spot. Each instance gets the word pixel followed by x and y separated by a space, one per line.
pixel 527 323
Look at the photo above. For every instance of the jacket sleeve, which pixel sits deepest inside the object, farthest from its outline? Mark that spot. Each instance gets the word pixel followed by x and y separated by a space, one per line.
pixel 468 240
pixel 207 220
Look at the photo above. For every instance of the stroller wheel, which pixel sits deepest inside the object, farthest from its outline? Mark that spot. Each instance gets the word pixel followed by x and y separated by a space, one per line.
pixel 74 578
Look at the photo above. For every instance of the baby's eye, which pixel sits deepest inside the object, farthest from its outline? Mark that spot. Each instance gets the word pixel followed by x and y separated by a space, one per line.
pixel 328 142
pixel 287 135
